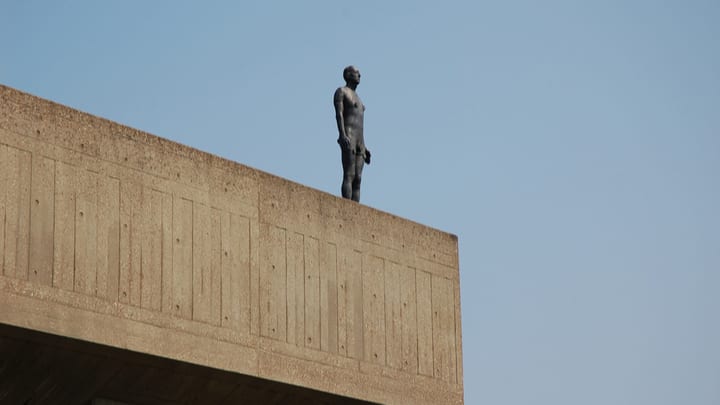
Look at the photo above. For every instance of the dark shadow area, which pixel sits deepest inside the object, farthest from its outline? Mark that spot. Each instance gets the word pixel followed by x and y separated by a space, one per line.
pixel 38 368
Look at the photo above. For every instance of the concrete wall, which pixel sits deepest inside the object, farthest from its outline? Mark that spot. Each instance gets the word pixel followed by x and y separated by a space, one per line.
pixel 115 236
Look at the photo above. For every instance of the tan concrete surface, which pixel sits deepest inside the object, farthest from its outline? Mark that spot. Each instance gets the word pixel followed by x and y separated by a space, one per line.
pixel 118 237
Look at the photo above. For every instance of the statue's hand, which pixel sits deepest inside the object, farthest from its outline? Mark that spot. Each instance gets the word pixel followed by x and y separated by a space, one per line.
pixel 367 156
pixel 344 142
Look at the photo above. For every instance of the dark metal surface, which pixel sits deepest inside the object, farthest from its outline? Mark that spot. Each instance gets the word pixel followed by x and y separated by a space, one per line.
pixel 350 115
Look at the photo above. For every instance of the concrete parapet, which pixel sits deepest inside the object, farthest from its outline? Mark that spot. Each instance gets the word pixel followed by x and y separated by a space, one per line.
pixel 118 237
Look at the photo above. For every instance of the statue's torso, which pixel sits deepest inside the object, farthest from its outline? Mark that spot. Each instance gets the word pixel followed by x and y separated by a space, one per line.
pixel 353 116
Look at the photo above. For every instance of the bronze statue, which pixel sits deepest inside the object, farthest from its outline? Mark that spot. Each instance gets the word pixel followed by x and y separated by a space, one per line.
pixel 349 112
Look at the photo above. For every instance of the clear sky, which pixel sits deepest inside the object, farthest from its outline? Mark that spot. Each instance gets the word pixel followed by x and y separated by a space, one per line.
pixel 573 147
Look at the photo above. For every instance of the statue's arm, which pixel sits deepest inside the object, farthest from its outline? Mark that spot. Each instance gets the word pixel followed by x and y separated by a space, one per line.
pixel 338 100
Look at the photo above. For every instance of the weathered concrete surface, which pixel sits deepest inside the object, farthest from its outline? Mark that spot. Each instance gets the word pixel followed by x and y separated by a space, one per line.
pixel 121 238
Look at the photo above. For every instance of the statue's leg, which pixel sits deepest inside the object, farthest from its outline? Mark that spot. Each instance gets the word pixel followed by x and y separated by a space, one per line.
pixel 348 163
pixel 357 179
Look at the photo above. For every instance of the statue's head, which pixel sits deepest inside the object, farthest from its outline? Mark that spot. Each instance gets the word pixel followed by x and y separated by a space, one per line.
pixel 351 74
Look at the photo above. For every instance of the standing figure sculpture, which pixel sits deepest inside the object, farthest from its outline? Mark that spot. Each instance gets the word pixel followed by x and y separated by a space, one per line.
pixel 349 112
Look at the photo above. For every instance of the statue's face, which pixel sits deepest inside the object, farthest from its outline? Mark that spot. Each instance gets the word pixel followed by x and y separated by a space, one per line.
pixel 353 76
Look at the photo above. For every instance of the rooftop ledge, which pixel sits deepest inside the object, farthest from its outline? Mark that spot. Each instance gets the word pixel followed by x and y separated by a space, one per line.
pixel 117 237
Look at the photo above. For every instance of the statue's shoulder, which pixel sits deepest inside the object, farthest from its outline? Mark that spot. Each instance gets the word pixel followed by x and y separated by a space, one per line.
pixel 340 93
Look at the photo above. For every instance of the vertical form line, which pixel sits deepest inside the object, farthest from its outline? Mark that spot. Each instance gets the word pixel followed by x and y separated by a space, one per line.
pixel 258 311
pixel 97 232
pixel 287 284
pixel 384 311
pixel 142 234
pixel 130 235
pixel 54 211
pixel 362 305
pixel 417 328
pixel 119 238
pixel 319 291
pixel 250 279
pixel 304 340
pixel 138 204
pixel 432 327
pixel 192 259
pixel 29 205
pixel 162 250
pixel 222 255
pixel 171 254
pixel 456 304
pixel 74 228
pixel 337 301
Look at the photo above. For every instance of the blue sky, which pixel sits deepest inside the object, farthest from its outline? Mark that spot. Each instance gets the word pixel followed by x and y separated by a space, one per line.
pixel 573 147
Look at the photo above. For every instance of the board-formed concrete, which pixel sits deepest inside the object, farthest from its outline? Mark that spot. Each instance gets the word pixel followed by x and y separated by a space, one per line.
pixel 120 238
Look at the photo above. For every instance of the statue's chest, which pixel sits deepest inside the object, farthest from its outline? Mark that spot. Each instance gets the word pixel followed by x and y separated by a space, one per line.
pixel 355 103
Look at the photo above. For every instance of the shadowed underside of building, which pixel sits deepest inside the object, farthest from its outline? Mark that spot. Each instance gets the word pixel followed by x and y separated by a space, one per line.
pixel 135 270
pixel 42 368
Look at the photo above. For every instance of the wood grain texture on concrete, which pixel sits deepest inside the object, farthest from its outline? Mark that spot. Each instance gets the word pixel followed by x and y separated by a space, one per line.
pixel 121 238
